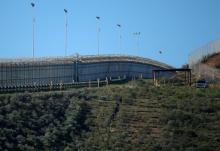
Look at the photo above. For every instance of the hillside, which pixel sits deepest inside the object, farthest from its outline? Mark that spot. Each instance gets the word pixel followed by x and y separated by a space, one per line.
pixel 131 116
pixel 213 60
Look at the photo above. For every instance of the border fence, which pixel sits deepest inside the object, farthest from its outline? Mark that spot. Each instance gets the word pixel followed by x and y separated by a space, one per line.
pixel 51 72
pixel 197 57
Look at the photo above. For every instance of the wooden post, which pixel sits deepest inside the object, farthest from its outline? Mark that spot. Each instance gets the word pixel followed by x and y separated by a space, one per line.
pixel 154 75
pixel 213 75
pixel 61 84
pixel 51 85
pixel 98 82
pixel 106 80
pixel 190 78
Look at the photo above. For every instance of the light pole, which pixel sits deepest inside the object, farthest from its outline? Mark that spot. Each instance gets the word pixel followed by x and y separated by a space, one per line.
pixel 160 53
pixel 66 28
pixel 98 33
pixel 120 37
pixel 33 22
pixel 137 34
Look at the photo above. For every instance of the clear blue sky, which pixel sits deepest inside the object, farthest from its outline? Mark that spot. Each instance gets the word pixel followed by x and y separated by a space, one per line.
pixel 174 27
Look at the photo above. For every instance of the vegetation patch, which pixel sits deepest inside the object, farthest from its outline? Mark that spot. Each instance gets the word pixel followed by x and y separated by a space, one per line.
pixel 132 116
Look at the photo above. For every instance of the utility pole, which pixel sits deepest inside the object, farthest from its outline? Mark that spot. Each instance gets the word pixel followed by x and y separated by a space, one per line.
pixel 33 25
pixel 137 35
pixel 120 37
pixel 98 33
pixel 66 28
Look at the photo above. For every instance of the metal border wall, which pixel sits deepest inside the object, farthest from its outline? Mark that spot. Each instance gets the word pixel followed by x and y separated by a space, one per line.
pixel 68 70
pixel 196 61
pixel 197 55
pixel 36 73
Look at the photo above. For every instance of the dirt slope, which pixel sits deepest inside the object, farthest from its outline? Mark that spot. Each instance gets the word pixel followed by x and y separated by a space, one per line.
pixel 214 60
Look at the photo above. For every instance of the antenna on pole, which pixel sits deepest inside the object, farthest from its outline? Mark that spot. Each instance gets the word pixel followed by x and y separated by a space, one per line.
pixel 66 27
pixel 98 33
pixel 33 22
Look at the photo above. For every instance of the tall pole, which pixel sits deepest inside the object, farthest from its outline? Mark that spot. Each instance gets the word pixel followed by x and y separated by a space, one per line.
pixel 98 33
pixel 137 35
pixel 120 37
pixel 160 53
pixel 33 22
pixel 66 28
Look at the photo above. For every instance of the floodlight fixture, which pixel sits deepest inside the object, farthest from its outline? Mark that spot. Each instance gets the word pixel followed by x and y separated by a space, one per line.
pixel 119 25
pixel 32 4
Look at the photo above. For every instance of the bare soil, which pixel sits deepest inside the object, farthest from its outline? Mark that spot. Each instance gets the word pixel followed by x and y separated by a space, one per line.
pixel 214 60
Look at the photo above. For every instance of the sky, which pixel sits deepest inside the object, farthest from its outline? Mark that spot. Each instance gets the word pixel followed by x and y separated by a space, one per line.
pixel 174 27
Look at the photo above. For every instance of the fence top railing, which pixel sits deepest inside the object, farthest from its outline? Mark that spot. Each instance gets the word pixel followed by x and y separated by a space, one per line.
pixel 85 58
